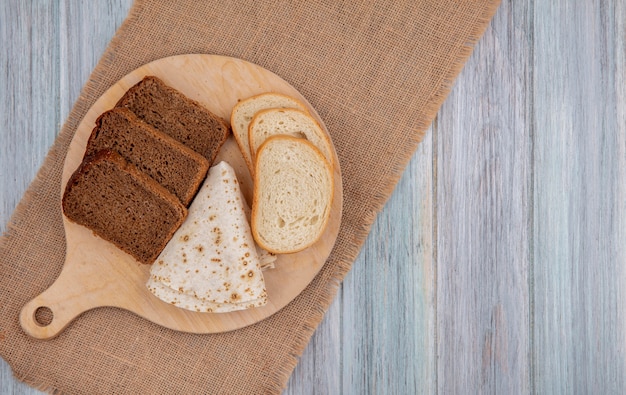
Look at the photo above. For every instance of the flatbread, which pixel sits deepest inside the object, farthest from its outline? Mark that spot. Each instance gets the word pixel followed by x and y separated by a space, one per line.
pixel 266 258
pixel 211 263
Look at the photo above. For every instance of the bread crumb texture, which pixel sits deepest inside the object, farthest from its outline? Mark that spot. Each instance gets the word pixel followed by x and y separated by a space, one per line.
pixel 122 205
pixel 171 112
pixel 292 195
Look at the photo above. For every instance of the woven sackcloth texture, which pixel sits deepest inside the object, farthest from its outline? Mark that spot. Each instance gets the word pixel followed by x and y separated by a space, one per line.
pixel 376 72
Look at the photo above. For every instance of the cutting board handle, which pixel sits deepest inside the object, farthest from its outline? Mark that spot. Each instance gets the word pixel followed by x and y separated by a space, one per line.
pixel 84 283
pixel 63 312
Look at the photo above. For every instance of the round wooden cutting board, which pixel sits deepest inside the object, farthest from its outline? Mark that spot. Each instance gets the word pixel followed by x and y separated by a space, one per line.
pixel 97 274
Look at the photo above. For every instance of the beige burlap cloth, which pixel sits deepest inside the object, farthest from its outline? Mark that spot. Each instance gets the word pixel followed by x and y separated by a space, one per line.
pixel 376 72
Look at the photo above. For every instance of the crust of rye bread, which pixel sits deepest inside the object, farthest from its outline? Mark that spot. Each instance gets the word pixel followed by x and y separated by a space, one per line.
pixel 171 112
pixel 122 205
pixel 176 167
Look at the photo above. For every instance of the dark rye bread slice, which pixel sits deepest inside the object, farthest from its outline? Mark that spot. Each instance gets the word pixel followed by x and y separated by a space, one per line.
pixel 122 205
pixel 169 111
pixel 179 169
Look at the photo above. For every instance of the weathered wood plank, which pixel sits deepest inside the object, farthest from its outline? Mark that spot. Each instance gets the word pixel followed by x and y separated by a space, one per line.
pixel 483 208
pixel 388 312
pixel 29 90
pixel 580 197
pixel 319 370
pixel 87 28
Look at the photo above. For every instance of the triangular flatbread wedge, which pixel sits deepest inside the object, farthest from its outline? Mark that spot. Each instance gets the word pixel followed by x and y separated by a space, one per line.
pixel 211 264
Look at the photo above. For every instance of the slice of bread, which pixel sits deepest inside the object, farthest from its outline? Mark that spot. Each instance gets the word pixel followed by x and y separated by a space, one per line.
pixel 122 205
pixel 169 111
pixel 176 167
pixel 244 111
pixel 290 122
pixel 293 191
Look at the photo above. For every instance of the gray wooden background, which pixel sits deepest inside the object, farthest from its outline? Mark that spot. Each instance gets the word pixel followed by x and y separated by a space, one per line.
pixel 497 266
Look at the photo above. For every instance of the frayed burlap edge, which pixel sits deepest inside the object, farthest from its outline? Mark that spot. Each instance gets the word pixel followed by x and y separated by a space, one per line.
pixel 344 263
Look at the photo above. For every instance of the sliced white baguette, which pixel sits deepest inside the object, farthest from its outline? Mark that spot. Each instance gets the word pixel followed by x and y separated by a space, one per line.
pixel 244 111
pixel 289 122
pixel 293 191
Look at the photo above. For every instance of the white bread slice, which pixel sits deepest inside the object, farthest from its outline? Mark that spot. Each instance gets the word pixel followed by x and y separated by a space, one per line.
pixel 244 111
pixel 293 191
pixel 290 122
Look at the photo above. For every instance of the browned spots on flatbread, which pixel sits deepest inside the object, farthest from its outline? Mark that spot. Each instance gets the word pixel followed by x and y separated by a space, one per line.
pixel 218 237
pixel 228 260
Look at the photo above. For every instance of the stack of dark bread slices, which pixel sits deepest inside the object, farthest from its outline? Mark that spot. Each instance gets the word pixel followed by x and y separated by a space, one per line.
pixel 143 164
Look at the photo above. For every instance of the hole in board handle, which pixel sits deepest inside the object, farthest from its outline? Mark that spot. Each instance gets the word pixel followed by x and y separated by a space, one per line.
pixel 43 316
